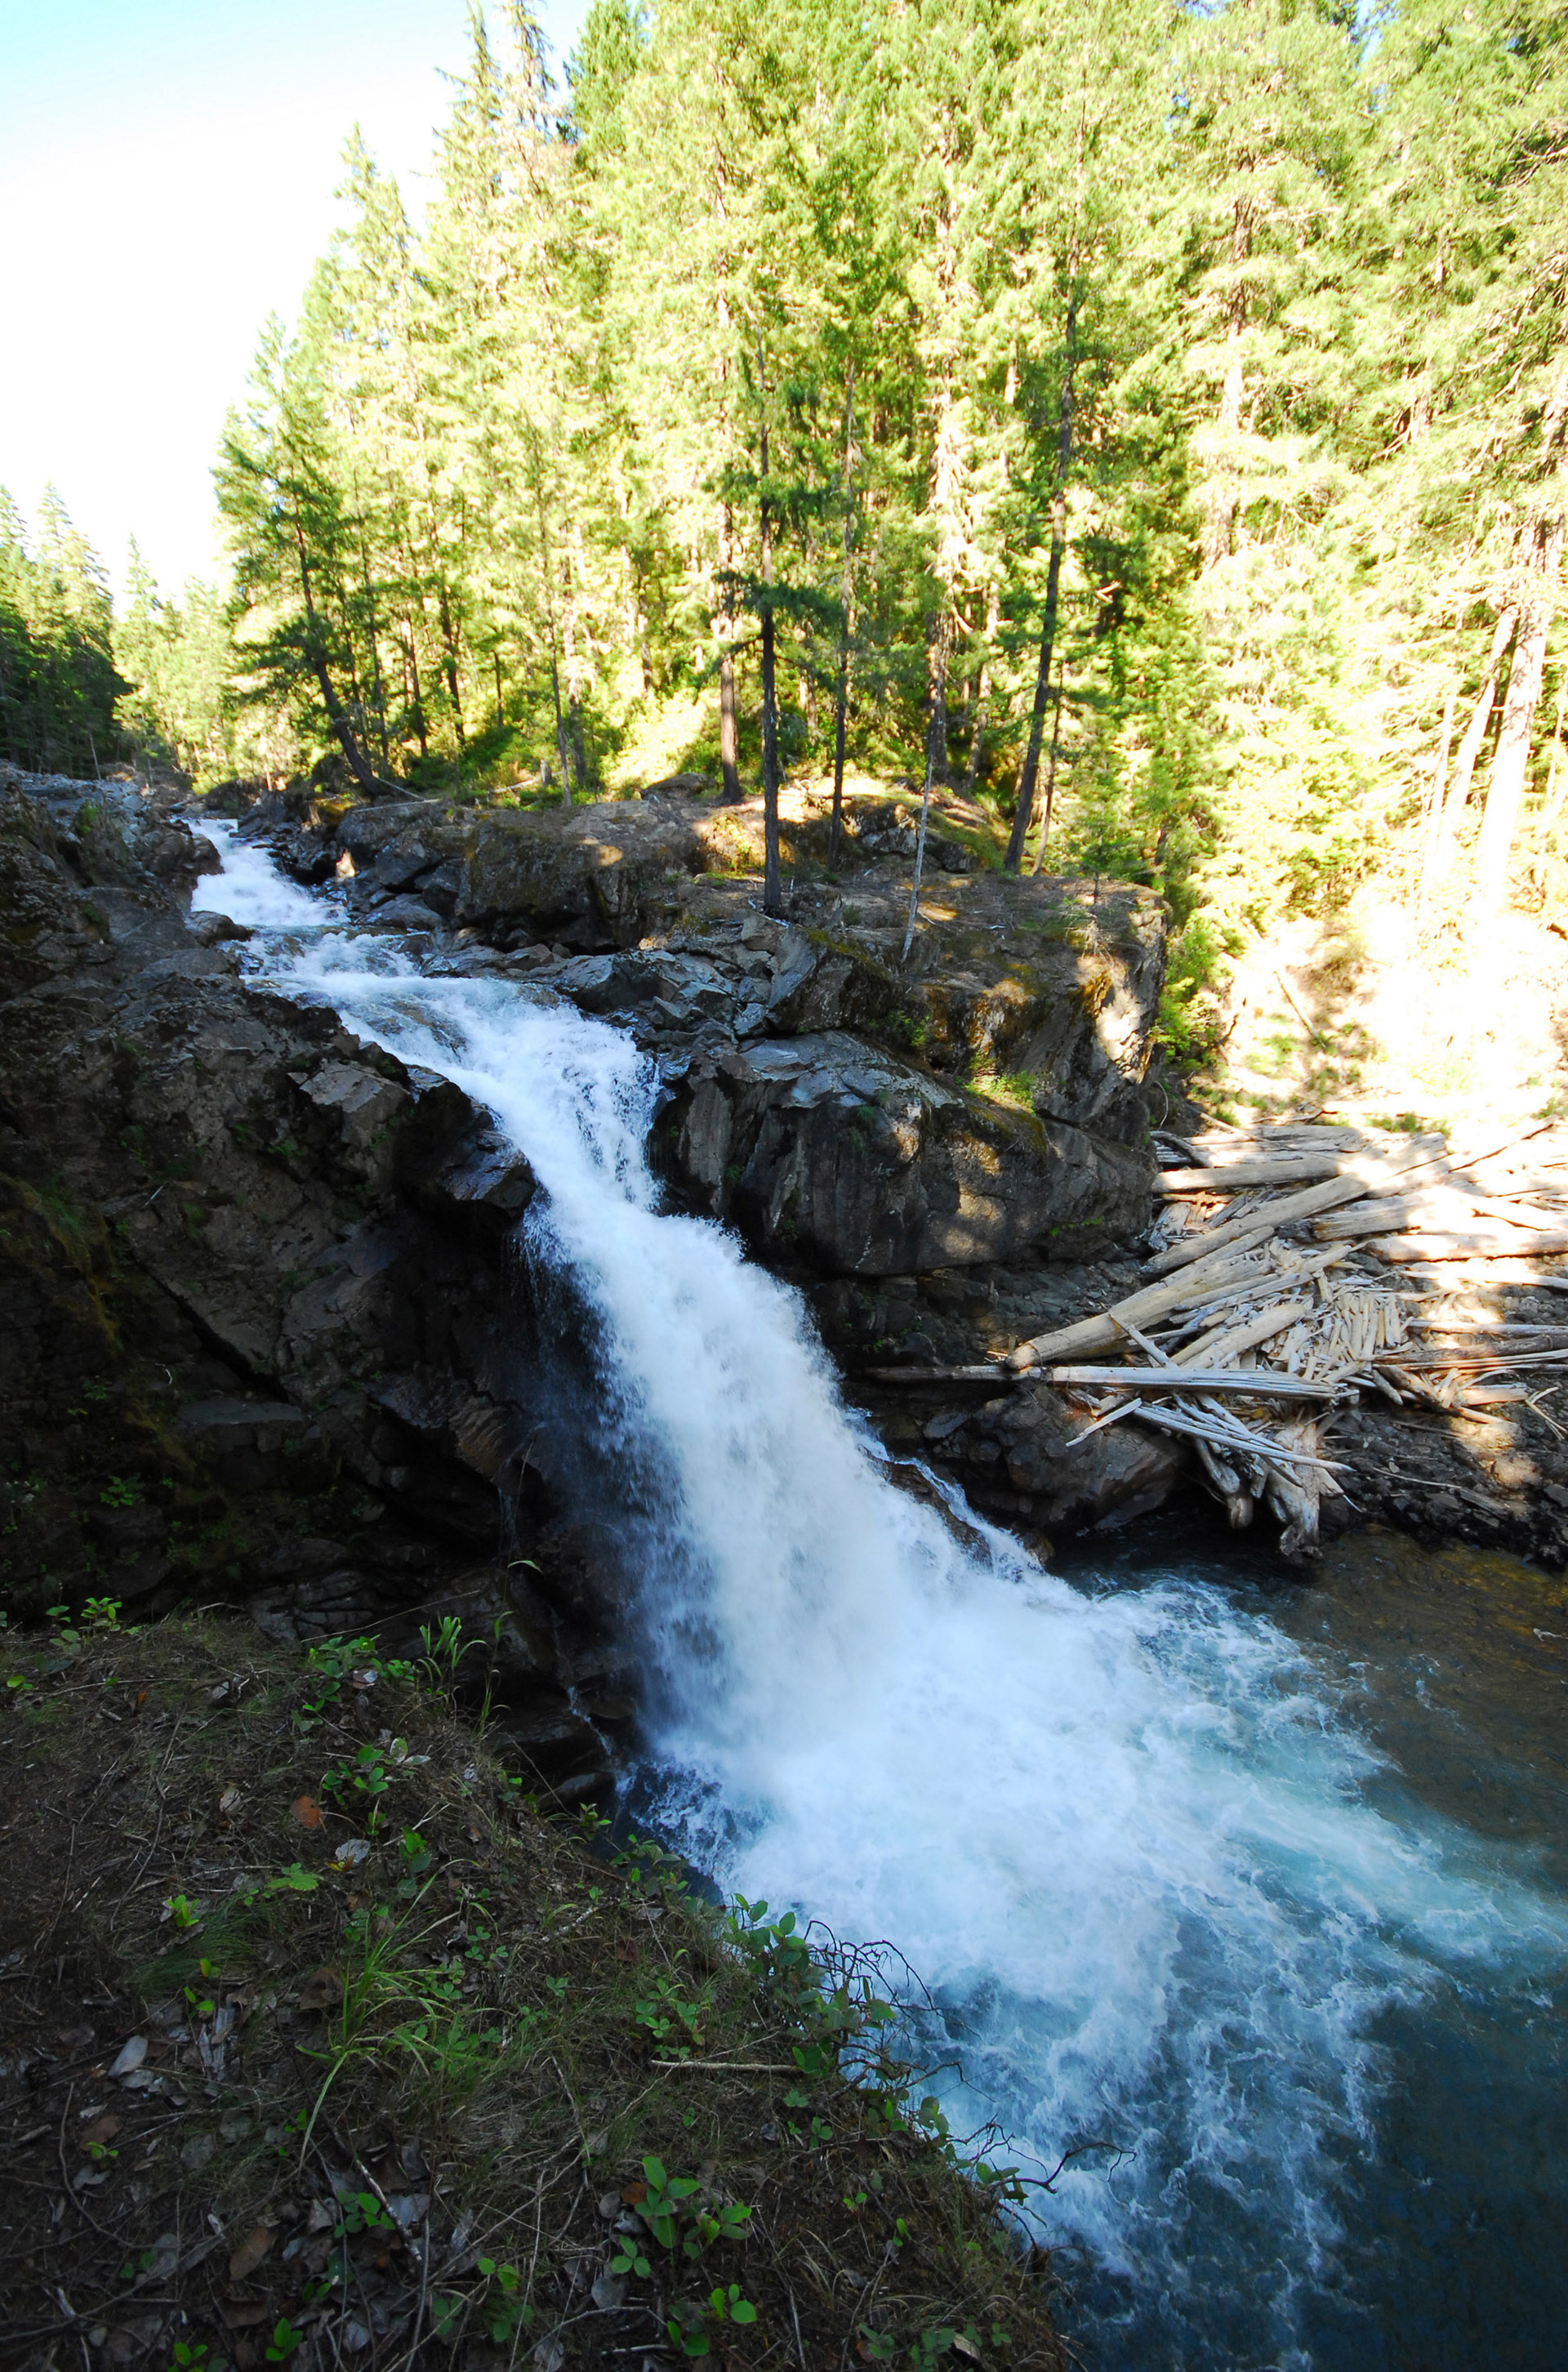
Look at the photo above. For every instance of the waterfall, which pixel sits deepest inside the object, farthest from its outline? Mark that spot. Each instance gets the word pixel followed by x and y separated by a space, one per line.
pixel 1124 1835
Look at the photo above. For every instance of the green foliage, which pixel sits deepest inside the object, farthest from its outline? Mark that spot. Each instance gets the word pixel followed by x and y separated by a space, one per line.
pixel 504 2311
pixel 179 662
pixel 58 683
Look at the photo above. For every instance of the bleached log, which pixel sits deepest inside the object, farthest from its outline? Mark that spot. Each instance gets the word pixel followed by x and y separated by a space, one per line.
pixel 1218 1348
pixel 1099 1332
pixel 1233 1177
pixel 1227 1441
pixel 1261 1383
pixel 1527 1217
pixel 1489 1243
pixel 1237 1500
pixel 1403 1212
pixel 1294 1497
pixel 1259 1223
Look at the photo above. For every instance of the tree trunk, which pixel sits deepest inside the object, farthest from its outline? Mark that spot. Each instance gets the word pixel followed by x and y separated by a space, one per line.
pixel 1470 750
pixel 846 591
pixel 1437 793
pixel 359 765
pixel 729 737
pixel 1219 534
pixel 450 636
pixel 982 693
pixel 1023 813
pixel 773 886
pixel 935 743
pixel 1050 771
pixel 411 659
pixel 377 683
pixel 547 586
pixel 1510 758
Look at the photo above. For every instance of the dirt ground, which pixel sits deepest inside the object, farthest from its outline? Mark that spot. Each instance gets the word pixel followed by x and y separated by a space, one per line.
pixel 322 2044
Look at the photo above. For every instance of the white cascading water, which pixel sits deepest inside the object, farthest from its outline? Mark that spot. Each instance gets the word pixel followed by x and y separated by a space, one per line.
pixel 1122 1838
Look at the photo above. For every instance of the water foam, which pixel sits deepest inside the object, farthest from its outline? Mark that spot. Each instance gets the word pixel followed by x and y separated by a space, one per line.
pixel 1121 1837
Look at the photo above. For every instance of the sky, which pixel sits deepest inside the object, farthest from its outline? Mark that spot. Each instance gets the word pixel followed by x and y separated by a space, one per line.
pixel 166 183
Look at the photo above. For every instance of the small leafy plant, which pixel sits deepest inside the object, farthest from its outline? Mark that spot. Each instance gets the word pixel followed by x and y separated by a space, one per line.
pixel 505 2310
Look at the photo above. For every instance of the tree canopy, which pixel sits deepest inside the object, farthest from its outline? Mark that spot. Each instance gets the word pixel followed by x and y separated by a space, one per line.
pixel 1149 419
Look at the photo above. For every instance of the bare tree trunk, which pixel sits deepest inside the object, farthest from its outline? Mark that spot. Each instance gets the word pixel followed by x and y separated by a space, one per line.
pixel 378 686
pixel 359 763
pixel 846 594
pixel 417 698
pixel 1437 793
pixel 1023 813
pixel 982 693
pixel 772 888
pixel 1051 771
pixel 1470 750
pixel 547 583
pixel 1553 795
pixel 935 743
pixel 1219 534
pixel 1511 759
pixel 729 737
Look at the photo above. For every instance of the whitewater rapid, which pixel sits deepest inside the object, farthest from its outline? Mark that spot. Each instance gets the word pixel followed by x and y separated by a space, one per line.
pixel 1123 1838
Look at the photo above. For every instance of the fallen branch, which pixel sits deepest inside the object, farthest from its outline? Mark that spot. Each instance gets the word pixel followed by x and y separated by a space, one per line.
pixel 1098 1333
pixel 1258 1225
pixel 1232 1177
pixel 1311 1026
pixel 1128 1408
pixel 1221 1345
pixel 993 1376
pixel 1263 1382
pixel 1261 1445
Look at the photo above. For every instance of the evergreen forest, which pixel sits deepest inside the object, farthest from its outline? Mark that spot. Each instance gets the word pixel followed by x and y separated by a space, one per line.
pixel 1148 421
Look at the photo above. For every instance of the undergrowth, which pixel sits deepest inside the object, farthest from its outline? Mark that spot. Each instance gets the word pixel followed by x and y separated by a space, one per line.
pixel 323 2044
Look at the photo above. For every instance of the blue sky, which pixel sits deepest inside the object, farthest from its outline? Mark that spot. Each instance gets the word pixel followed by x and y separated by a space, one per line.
pixel 166 181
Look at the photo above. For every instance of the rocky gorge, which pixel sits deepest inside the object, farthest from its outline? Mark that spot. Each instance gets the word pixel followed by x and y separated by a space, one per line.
pixel 265 1333
pixel 357 1279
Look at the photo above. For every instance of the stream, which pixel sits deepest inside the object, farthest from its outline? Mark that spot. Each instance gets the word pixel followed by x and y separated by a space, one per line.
pixel 1250 1892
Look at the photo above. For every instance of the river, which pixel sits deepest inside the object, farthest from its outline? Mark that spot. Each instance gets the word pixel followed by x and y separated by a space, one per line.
pixel 1248 1892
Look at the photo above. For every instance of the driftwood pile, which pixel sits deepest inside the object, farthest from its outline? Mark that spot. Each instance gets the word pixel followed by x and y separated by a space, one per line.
pixel 1295 1268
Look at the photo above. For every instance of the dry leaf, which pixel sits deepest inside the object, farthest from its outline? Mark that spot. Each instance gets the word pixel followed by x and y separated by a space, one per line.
pixel 229 1801
pixel 964 2346
pixel 307 1812
pixel 102 2129
pixel 322 1990
pixel 130 2056
pixel 245 2317
pixel 250 2253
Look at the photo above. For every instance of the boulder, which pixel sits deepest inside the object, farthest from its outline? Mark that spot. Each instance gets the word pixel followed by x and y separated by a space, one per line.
pixel 834 1151
pixel 588 877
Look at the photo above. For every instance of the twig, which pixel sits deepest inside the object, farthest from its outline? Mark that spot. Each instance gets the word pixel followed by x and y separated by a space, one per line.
pixel 1316 1035
pixel 1128 1408
pixel 730 2066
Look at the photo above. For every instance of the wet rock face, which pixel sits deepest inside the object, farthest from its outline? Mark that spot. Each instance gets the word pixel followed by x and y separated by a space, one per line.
pixel 263 1332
